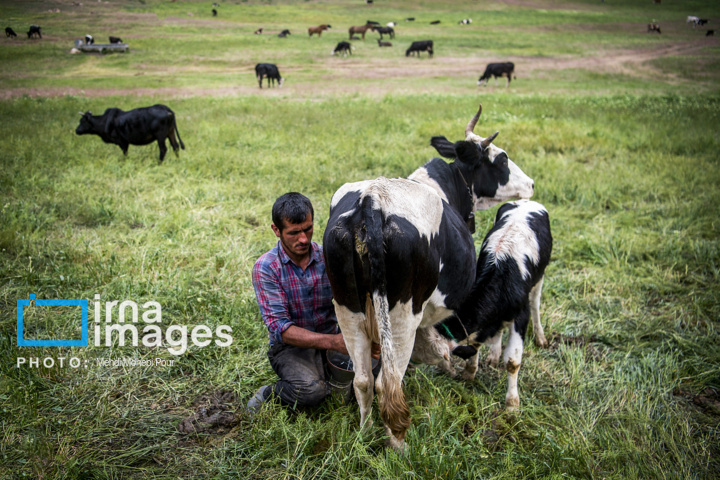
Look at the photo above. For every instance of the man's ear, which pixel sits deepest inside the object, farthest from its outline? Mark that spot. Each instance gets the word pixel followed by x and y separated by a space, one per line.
pixel 275 229
pixel 444 147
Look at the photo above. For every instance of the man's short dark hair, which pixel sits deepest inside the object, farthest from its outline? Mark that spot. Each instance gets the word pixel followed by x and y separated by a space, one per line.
pixel 292 207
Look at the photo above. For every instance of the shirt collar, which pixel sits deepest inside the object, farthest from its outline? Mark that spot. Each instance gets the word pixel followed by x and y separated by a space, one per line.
pixel 316 255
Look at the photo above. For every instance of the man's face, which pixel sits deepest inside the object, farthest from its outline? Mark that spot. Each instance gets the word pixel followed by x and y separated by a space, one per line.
pixel 296 237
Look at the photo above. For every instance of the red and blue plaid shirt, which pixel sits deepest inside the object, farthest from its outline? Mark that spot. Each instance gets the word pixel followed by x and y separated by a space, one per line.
pixel 288 296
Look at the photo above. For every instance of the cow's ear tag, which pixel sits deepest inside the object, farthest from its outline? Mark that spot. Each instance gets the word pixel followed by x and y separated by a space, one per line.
pixel 470 222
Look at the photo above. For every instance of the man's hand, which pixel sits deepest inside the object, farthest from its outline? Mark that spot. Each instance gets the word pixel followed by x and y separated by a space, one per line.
pixel 374 352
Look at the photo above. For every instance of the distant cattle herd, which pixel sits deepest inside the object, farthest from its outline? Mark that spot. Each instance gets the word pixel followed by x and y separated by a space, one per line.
pixel 358 32
pixel 270 71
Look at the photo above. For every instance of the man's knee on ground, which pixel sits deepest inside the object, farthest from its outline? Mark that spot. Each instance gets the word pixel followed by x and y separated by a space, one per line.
pixel 311 394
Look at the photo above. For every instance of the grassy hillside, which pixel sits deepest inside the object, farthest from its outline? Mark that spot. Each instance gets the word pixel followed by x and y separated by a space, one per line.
pixel 624 156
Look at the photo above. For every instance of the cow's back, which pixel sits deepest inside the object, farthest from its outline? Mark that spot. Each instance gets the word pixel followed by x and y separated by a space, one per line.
pixel 426 245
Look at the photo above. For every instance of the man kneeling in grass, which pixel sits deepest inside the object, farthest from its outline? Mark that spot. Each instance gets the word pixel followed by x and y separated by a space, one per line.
pixel 295 300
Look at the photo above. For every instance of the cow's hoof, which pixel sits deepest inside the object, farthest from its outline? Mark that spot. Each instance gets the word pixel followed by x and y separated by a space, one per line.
pixel 398 445
pixel 512 404
pixel 541 342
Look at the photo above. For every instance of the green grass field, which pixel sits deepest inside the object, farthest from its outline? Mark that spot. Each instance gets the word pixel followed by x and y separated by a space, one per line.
pixel 618 128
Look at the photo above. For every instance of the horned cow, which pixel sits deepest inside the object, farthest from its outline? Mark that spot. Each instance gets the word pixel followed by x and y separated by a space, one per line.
pixel 140 126
pixel 400 257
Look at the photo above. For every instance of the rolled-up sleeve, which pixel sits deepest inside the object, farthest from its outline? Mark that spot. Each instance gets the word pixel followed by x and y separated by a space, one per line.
pixel 272 300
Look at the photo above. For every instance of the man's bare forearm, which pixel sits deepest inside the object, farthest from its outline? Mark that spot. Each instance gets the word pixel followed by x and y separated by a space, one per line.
pixel 300 337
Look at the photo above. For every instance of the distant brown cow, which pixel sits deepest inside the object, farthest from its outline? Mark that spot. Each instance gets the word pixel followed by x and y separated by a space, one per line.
pixel 361 30
pixel 319 29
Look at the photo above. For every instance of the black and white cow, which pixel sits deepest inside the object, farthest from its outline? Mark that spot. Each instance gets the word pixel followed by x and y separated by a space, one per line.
pixel 420 46
pixel 140 126
pixel 34 32
pixel 400 258
pixel 89 40
pixel 115 39
pixel 270 71
pixel 506 294
pixel 497 70
pixel 9 32
pixel 465 21
pixel 343 47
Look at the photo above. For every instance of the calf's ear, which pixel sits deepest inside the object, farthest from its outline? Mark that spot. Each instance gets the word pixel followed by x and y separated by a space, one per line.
pixel 444 147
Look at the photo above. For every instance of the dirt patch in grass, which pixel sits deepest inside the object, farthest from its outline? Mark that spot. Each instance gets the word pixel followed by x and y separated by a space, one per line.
pixel 215 414
pixel 708 400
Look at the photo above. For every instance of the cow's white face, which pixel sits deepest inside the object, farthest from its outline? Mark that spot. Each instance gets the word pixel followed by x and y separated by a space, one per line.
pixel 497 179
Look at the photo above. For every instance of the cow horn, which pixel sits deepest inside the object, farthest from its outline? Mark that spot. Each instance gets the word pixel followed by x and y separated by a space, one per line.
pixel 81 114
pixel 486 143
pixel 473 121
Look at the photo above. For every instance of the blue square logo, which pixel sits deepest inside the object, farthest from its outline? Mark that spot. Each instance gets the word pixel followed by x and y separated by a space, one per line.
pixel 83 342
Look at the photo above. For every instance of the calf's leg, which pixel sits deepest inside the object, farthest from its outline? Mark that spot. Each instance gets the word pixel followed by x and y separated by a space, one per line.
pixel 540 339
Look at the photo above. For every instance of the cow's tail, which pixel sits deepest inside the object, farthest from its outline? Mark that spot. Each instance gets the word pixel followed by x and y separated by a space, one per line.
pixel 182 145
pixel 393 408
pixel 177 132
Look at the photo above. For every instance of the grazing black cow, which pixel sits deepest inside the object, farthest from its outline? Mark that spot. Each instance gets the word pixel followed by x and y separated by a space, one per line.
pixel 497 70
pixel 343 47
pixel 410 19
pixel 702 21
pixel 258 31
pixel 214 12
pixel 89 40
pixel 420 46
pixel 116 40
pixel 508 284
pixel 9 32
pixel 710 33
pixel 435 22
pixel 384 44
pixel 400 257
pixel 385 31
pixel 270 71
pixel 140 126
pixel 284 33
pixel 34 32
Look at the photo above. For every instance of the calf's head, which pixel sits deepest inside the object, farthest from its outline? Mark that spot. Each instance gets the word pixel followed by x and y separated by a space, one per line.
pixel 86 125
pixel 488 171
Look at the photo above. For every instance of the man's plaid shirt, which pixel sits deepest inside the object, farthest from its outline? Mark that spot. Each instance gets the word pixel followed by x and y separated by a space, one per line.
pixel 288 296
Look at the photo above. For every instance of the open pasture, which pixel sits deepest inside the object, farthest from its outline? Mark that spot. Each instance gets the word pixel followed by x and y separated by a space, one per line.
pixel 617 127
